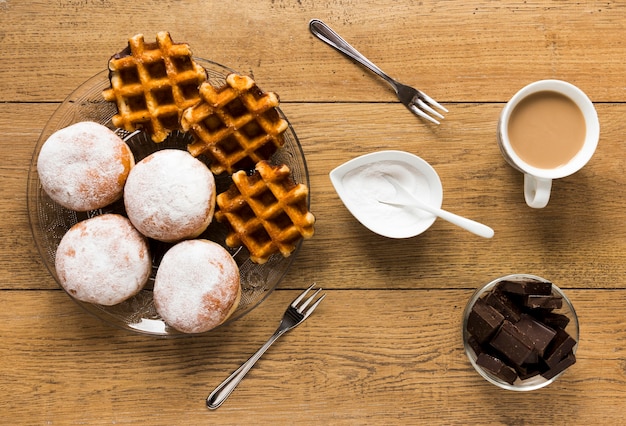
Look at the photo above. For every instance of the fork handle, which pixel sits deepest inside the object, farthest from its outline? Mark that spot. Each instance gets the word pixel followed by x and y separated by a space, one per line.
pixel 322 31
pixel 219 395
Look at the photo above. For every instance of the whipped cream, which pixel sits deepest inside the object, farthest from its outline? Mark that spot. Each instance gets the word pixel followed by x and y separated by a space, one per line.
pixel 364 186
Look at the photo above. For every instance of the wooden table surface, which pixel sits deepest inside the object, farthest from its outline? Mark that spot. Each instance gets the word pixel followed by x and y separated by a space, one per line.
pixel 385 346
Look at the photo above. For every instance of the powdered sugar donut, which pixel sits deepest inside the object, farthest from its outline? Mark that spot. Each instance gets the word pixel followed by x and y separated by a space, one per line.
pixel 170 196
pixel 103 260
pixel 84 166
pixel 197 286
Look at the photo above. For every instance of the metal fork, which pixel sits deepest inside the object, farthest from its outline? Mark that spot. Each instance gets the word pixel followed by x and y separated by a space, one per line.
pixel 295 314
pixel 415 100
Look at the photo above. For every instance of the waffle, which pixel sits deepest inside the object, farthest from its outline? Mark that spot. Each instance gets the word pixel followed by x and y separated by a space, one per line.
pixel 235 126
pixel 266 211
pixel 152 83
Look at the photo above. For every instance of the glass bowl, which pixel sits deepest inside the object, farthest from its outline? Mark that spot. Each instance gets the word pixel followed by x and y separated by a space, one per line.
pixel 537 381
pixel 49 221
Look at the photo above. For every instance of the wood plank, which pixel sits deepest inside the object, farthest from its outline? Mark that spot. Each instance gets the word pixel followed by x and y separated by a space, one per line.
pixel 56 358
pixel 455 51
pixel 575 241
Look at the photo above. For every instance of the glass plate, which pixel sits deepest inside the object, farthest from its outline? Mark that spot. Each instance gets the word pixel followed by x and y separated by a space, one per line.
pixel 49 221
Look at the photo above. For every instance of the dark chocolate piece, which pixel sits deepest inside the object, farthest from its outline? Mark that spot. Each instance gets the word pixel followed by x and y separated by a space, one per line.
pixel 533 358
pixel 475 345
pixel 540 301
pixel 512 343
pixel 526 287
pixel 540 334
pixel 558 349
pixel 496 367
pixel 528 370
pixel 555 320
pixel 505 305
pixel 568 361
pixel 483 321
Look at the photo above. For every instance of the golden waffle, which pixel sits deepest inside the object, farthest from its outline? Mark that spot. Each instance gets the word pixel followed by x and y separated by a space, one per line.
pixel 266 212
pixel 152 83
pixel 235 126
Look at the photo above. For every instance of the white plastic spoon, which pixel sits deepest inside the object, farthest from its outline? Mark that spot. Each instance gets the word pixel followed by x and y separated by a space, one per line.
pixel 405 198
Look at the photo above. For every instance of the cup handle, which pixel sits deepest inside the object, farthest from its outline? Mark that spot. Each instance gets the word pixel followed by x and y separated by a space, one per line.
pixel 536 191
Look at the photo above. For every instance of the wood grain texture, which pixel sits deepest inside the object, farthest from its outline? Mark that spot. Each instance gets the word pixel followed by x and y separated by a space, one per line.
pixel 579 240
pixel 501 47
pixel 385 346
pixel 386 361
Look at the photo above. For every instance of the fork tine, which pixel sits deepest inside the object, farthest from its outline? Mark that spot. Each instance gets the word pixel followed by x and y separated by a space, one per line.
pixel 422 114
pixel 432 101
pixel 313 306
pixel 427 107
pixel 294 304
pixel 306 302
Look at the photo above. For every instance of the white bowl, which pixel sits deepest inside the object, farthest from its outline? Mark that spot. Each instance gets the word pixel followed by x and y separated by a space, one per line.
pixel 360 184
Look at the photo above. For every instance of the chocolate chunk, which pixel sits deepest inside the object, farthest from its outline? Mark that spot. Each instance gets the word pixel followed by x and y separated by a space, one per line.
pixel 558 349
pixel 554 320
pixel 512 343
pixel 540 301
pixel 528 370
pixel 526 287
pixel 483 321
pixel 533 358
pixel 568 361
pixel 497 367
pixel 475 345
pixel 540 334
pixel 504 304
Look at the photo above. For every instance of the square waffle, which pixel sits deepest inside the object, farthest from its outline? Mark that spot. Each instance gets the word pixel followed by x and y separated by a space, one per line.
pixel 152 83
pixel 235 126
pixel 266 212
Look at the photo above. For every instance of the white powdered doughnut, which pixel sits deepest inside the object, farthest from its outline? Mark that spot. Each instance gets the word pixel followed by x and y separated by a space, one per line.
pixel 197 286
pixel 103 260
pixel 170 196
pixel 84 166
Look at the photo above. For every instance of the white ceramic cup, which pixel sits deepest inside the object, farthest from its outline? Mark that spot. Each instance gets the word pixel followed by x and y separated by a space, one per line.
pixel 538 181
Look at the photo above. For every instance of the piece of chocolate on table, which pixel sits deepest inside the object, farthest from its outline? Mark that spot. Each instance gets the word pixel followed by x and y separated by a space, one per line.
pixel 512 343
pixel 526 287
pixel 483 321
pixel 497 367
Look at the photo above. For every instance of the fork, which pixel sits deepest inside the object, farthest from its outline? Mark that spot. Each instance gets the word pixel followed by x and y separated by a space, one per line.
pixel 415 100
pixel 295 315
